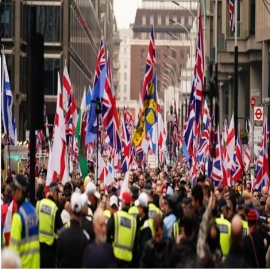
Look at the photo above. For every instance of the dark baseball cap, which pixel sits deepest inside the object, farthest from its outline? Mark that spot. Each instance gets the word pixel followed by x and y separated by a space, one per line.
pixel 134 191
pixel 147 188
pixel 221 203
pixel 54 186
pixel 20 182
pixel 240 201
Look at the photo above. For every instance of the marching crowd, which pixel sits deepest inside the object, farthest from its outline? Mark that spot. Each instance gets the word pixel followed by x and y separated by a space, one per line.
pixel 160 222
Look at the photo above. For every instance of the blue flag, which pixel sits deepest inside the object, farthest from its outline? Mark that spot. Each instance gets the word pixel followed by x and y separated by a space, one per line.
pixel 92 126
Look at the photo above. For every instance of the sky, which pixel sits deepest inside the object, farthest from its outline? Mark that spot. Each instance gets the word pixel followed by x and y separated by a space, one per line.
pixel 125 11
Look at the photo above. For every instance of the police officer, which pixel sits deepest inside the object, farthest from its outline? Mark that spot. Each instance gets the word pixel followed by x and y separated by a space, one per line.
pixel 153 210
pixel 145 226
pixel 224 226
pixel 121 232
pixel 24 227
pixel 50 222
pixel 114 204
pixel 240 208
pixel 133 210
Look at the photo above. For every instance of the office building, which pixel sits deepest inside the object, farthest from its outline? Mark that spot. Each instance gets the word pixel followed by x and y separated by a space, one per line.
pixel 72 31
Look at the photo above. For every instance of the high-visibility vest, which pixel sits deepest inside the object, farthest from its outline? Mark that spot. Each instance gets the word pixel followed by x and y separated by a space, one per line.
pixel 149 223
pixel 24 236
pixel 225 234
pixel 153 210
pixel 107 214
pixel 175 231
pixel 124 235
pixel 245 228
pixel 46 210
pixel 133 211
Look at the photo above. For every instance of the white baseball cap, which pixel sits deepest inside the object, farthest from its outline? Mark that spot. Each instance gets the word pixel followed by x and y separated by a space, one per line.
pixel 142 200
pixel 113 200
pixel 91 189
pixel 76 202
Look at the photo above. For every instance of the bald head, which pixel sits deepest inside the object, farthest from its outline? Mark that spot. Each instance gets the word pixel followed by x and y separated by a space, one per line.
pixel 100 226
pixel 237 230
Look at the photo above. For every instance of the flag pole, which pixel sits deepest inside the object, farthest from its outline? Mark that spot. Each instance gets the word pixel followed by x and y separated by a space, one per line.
pixel 235 67
pixel 98 112
pixel 157 135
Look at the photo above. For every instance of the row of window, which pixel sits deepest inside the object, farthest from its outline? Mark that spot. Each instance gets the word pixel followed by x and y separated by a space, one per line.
pixel 160 68
pixel 164 36
pixel 159 20
pixel 174 53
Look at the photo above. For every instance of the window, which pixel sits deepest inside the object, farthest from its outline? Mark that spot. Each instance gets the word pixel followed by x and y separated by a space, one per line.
pixel 157 53
pixel 190 20
pixel 175 18
pixel 142 52
pixel 125 98
pixel 158 86
pixel 125 76
pixel 142 68
pixel 252 17
pixel 125 88
pixel 166 52
pixel 159 35
pixel 125 50
pixel 6 26
pixel 182 54
pixel 143 35
pixel 125 39
pixel 173 54
pixel 10 68
pixel 51 69
pixel 143 20
pixel 152 20
pixel 183 20
pixel 159 20
pixel 167 20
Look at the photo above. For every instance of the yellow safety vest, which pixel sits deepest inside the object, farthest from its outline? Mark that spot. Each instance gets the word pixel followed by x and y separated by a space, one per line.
pixel 46 210
pixel 107 214
pixel 176 225
pixel 245 228
pixel 225 234
pixel 149 223
pixel 153 210
pixel 24 236
pixel 133 211
pixel 124 235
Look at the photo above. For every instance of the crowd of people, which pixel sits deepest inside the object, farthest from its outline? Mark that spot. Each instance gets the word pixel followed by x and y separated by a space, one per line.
pixel 159 222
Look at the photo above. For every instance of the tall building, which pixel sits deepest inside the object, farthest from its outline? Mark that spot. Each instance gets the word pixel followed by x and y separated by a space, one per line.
pixel 116 62
pixel 126 35
pixel 173 45
pixel 72 31
pixel 253 37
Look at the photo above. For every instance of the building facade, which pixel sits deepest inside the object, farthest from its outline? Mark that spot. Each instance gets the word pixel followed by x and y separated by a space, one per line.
pixel 126 35
pixel 253 37
pixel 72 31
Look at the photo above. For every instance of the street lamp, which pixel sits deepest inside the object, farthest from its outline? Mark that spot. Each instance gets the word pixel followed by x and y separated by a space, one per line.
pixel 174 36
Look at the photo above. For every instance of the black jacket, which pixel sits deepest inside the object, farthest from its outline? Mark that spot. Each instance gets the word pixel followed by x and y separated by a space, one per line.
pixel 70 247
pixel 156 255
pixel 99 256
pixel 183 255
pixel 259 247
pixel 235 258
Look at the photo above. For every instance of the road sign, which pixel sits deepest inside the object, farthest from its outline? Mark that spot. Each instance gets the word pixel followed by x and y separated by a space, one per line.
pixel 252 102
pixel 258 114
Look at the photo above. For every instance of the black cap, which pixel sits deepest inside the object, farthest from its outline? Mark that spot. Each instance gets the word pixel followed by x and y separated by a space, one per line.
pixel 54 186
pixel 221 202
pixel 186 201
pixel 240 201
pixel 134 191
pixel 147 188
pixel 21 183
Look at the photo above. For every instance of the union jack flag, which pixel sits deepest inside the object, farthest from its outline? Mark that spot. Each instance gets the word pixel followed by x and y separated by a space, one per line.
pixel 71 116
pixel 217 173
pixel 101 61
pixel 238 167
pixel 150 65
pixel 232 17
pixel 262 170
pixel 126 146
pixel 109 111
